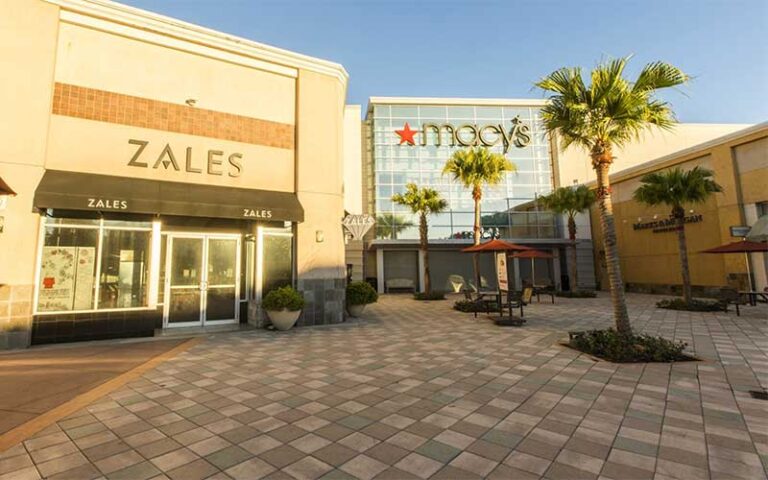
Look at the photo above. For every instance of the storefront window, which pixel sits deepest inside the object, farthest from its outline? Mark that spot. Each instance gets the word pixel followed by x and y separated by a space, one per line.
pixel 68 269
pixel 124 269
pixel 278 261
pixel 85 265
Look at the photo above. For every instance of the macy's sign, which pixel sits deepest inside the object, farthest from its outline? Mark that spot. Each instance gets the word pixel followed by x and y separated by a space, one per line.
pixel 470 135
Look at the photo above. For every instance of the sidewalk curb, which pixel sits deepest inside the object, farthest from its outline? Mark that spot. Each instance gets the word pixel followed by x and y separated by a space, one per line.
pixel 26 430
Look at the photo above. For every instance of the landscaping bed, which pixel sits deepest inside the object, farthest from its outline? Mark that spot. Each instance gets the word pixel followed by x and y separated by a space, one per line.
pixel 692 306
pixel 615 347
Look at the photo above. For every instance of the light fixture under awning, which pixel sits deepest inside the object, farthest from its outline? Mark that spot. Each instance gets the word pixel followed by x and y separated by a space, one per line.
pixel 106 193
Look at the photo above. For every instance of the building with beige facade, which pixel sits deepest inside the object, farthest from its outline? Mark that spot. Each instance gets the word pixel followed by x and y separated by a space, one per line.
pixel 648 249
pixel 167 175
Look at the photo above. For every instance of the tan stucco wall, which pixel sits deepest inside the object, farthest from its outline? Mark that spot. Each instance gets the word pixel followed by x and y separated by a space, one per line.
pixel 98 147
pixel 574 163
pixel 353 162
pixel 86 58
pixel 319 176
pixel 27 47
pixel 103 60
pixel 653 258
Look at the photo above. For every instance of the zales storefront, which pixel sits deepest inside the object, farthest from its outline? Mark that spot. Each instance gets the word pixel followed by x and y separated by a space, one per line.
pixel 182 175
pixel 150 254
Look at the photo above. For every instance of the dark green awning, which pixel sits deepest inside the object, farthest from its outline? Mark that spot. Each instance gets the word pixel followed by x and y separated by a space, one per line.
pixel 106 193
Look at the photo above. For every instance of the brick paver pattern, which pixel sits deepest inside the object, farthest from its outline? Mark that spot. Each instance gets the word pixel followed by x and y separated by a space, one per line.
pixel 417 390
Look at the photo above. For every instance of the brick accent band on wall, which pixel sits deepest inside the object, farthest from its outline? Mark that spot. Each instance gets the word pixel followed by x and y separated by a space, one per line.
pixel 104 106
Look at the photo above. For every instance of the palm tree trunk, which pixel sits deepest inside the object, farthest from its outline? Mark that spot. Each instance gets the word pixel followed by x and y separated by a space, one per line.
pixel 424 241
pixel 477 195
pixel 573 262
pixel 601 161
pixel 679 215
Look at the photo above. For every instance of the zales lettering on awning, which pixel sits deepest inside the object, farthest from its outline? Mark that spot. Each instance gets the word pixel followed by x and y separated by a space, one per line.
pixel 107 204
pixel 212 162
pixel 252 213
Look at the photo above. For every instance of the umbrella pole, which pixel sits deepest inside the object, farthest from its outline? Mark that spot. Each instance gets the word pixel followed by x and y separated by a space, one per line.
pixel 749 274
pixel 533 272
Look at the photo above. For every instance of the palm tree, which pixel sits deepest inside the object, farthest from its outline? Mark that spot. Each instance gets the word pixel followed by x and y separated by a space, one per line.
pixel 608 113
pixel 675 188
pixel 571 202
pixel 389 225
pixel 422 201
pixel 475 167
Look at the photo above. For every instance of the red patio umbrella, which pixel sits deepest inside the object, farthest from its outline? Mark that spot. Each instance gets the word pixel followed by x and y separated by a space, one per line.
pixel 533 254
pixel 743 246
pixel 496 245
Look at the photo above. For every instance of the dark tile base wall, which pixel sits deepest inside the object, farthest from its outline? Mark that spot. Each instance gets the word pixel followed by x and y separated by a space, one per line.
pixel 77 327
pixel 324 301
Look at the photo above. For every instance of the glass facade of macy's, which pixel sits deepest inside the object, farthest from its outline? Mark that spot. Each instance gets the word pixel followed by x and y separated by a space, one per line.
pixel 509 210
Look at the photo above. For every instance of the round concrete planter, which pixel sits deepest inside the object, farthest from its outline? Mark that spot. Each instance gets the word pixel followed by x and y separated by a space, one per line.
pixel 283 319
pixel 356 310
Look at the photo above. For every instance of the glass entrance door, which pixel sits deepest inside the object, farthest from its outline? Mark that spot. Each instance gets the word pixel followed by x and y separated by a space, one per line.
pixel 201 285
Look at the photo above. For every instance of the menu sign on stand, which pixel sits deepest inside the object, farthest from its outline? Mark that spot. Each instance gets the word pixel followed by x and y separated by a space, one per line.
pixel 501 271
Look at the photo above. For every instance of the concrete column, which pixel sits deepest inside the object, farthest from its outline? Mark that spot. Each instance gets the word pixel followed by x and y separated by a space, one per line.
pixel 556 269
pixel 380 269
pixel 516 272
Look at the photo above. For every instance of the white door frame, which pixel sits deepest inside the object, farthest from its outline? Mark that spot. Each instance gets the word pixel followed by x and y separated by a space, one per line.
pixel 205 238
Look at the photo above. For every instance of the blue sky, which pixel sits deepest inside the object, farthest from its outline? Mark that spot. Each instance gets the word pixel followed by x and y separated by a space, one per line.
pixel 498 48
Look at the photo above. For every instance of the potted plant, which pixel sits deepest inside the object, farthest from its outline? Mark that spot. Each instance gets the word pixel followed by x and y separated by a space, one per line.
pixel 359 294
pixel 14 334
pixel 283 306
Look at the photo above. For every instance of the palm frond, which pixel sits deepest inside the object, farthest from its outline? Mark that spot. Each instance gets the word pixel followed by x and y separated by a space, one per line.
pixel 658 75
pixel 611 110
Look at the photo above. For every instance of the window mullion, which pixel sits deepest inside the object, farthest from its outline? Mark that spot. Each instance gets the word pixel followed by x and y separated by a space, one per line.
pixel 99 247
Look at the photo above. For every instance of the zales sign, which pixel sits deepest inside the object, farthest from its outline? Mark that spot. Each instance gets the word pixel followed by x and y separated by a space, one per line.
pixel 212 162
pixel 470 135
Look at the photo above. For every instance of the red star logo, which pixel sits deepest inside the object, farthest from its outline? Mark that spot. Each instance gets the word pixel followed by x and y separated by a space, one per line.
pixel 406 135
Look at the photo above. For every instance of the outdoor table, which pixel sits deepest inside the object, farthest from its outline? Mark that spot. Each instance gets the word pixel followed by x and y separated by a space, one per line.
pixel 539 290
pixel 481 294
pixel 752 296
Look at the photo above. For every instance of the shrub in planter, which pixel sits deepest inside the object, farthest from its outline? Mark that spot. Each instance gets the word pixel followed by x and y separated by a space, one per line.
pixel 468 306
pixel 433 295
pixel 692 306
pixel 360 294
pixel 283 306
pixel 615 347
pixel 577 294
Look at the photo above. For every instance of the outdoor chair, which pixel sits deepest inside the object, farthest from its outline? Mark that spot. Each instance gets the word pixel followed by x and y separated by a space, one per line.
pixel 729 296
pixel 523 300
pixel 479 303
pixel 456 283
